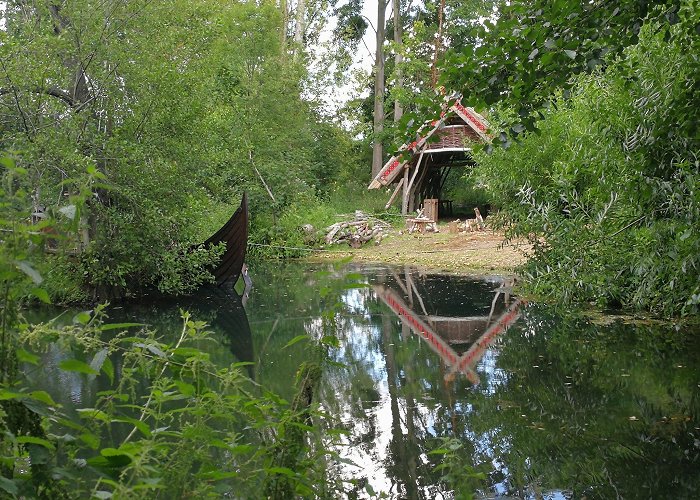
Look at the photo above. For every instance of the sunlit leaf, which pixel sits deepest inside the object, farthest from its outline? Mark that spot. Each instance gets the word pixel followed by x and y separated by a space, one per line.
pixel 90 413
pixel 35 440
pixel 90 439
pixel 118 326
pixel 42 396
pixel 27 269
pixel 280 470
pixel 75 365
pixel 42 295
pixel 27 357
pixel 108 369
pixel 98 360
pixel 296 339
pixel 82 318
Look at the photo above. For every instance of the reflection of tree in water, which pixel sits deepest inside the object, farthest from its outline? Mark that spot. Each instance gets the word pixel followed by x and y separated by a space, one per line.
pixel 599 411
pixel 220 307
pixel 396 396
pixel 394 388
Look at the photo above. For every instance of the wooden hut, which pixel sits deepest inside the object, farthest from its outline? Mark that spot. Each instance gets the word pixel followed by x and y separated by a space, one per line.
pixel 421 167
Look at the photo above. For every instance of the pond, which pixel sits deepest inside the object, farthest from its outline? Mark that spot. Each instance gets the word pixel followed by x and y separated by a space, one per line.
pixel 439 369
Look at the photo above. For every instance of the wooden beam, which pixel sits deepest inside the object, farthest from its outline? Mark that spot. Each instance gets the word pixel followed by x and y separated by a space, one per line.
pixel 393 196
pixel 419 184
pixel 404 201
pixel 448 169
pixel 410 184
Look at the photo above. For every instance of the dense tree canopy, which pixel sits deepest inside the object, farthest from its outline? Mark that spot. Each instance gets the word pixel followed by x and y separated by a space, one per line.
pixel 181 106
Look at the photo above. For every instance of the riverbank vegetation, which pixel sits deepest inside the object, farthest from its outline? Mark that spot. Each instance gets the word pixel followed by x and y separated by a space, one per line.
pixel 130 131
pixel 606 188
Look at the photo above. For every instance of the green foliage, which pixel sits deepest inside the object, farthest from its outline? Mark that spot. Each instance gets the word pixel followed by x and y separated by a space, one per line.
pixel 196 430
pixel 592 408
pixel 534 47
pixel 457 469
pixel 606 191
pixel 179 107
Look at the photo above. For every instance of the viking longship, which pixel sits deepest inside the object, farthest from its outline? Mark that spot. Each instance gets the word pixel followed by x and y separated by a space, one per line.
pixel 235 236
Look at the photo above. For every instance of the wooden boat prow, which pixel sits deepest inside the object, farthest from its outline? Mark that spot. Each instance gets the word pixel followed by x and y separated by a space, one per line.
pixel 235 236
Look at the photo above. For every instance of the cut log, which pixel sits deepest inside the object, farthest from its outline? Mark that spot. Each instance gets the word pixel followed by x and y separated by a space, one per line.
pixel 479 219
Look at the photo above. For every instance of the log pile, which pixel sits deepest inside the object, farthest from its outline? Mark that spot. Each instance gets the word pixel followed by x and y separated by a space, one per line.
pixel 357 232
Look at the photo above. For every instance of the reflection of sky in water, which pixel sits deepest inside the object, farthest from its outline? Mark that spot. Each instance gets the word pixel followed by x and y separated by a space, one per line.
pixel 363 345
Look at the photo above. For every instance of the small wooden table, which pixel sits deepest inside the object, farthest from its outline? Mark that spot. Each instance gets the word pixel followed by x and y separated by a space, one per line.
pixel 421 224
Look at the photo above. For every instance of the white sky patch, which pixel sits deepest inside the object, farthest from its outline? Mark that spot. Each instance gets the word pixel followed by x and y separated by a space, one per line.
pixel 363 59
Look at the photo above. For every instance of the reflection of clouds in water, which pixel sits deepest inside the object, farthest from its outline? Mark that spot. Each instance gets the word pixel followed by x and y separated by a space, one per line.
pixel 362 398
pixel 71 389
pixel 492 377
pixel 373 458
pixel 366 413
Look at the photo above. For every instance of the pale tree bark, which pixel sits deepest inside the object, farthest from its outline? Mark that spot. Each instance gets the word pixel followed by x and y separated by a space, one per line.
pixel 398 57
pixel 438 45
pixel 377 149
pixel 285 21
pixel 300 27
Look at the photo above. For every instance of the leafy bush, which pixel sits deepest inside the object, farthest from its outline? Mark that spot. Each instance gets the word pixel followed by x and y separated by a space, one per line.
pixel 606 191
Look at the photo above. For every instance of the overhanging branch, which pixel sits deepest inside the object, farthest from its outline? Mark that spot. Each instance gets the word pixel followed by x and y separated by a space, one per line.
pixel 51 91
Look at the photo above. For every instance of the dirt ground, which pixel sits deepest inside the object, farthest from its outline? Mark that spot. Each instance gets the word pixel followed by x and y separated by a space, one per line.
pixel 480 252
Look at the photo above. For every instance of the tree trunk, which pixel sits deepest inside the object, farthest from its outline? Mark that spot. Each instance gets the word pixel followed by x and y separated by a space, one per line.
pixel 300 27
pixel 377 149
pixel 285 21
pixel 398 57
pixel 438 45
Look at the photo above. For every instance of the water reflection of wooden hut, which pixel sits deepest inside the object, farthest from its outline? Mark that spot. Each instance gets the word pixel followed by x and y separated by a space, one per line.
pixel 460 341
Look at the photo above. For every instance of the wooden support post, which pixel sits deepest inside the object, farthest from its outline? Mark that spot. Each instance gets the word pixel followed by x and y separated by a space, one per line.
pixel 419 184
pixel 393 196
pixel 443 179
pixel 404 201
pixel 411 206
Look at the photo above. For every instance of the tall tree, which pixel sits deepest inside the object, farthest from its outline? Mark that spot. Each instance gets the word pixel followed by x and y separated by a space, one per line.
pixel 379 88
pixel 438 45
pixel 398 57
pixel 142 92
pixel 300 27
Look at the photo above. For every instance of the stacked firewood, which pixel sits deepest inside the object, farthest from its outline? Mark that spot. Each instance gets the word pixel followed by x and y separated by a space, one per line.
pixel 358 231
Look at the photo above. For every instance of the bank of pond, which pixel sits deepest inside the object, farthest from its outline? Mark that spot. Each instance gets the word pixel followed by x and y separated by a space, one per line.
pixel 426 386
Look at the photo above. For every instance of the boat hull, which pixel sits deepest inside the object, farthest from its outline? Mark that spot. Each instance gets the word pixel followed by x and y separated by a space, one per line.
pixel 234 234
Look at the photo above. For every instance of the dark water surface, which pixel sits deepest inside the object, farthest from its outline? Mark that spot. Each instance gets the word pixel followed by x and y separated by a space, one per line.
pixel 544 404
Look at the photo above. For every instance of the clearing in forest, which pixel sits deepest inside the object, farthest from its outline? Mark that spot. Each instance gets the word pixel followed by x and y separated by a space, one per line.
pixel 478 252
